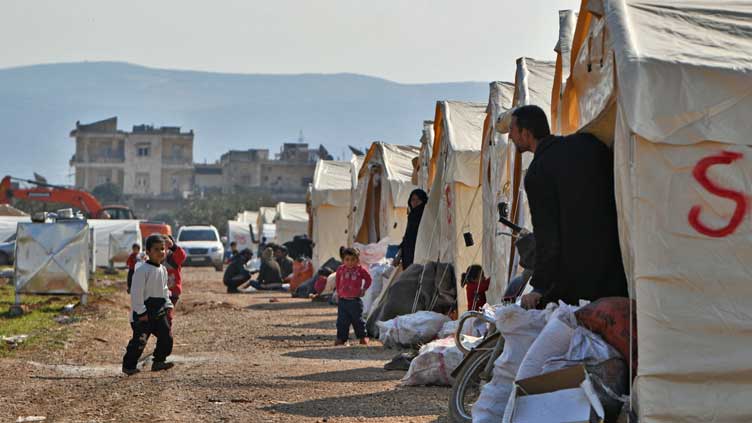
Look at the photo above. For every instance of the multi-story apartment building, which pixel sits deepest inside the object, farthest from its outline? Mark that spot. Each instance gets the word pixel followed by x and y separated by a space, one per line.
pixel 149 161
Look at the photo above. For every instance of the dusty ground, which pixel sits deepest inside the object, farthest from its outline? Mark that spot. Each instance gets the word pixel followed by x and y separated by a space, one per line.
pixel 239 358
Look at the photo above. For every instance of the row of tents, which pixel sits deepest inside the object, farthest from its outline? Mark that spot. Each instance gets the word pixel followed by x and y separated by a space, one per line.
pixel 669 88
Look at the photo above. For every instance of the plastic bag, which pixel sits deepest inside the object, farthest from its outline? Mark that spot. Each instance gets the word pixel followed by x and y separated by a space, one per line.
pixel 372 253
pixel 553 341
pixel 520 328
pixel 434 364
pixel 411 329
pixel 379 274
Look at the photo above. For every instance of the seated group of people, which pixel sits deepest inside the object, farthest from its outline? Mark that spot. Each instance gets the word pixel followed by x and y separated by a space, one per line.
pixel 275 269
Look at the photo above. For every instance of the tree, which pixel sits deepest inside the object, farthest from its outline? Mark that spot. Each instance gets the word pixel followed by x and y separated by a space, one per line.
pixel 216 209
pixel 108 193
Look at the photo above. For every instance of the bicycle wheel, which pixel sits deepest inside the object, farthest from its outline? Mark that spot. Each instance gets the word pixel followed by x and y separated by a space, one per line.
pixel 466 388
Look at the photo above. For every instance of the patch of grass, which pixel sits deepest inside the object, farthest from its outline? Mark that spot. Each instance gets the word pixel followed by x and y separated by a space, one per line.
pixel 119 275
pixel 38 322
pixel 40 311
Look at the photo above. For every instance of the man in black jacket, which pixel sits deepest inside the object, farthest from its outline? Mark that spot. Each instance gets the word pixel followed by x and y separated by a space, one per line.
pixel 570 190
pixel 235 274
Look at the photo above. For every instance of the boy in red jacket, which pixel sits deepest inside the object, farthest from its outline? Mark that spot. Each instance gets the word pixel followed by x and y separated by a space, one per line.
pixel 352 282
pixel 174 264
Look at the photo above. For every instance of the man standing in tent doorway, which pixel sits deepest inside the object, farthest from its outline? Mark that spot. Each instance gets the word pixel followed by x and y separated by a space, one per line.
pixel 570 190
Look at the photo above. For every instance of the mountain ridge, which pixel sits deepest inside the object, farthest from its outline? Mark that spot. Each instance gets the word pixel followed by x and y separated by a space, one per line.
pixel 41 104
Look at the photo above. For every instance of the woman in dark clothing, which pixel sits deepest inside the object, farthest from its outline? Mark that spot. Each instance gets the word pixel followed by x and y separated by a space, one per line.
pixel 418 200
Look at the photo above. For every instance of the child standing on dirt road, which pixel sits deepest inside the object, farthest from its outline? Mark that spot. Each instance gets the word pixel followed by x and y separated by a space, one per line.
pixel 352 282
pixel 150 302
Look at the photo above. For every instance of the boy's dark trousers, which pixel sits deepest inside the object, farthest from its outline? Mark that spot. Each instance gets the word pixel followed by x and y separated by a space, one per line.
pixel 350 312
pixel 160 327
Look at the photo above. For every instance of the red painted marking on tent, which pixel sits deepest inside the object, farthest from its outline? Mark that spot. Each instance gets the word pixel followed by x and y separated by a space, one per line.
pixel 448 192
pixel 700 174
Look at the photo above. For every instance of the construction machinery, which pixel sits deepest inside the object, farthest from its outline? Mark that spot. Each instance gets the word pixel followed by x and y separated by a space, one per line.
pixel 79 199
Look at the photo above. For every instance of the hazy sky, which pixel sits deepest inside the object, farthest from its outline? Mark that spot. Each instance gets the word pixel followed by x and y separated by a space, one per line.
pixel 401 40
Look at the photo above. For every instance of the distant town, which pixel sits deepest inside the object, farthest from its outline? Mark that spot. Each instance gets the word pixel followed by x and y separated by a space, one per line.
pixel 154 166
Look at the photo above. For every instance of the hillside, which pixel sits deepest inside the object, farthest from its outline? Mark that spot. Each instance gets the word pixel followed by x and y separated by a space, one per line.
pixel 40 105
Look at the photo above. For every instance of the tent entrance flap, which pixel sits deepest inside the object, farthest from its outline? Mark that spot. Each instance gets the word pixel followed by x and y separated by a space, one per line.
pixel 370 229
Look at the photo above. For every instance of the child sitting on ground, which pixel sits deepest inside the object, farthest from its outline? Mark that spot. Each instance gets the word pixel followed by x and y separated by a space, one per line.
pixel 133 258
pixel 352 282
pixel 150 302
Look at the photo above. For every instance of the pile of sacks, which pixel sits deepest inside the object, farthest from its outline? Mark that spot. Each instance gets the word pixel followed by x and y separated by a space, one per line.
pixel 438 355
pixel 541 341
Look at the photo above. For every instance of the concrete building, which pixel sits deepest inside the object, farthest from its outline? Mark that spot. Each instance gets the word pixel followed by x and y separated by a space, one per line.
pixel 207 178
pixel 288 175
pixel 149 161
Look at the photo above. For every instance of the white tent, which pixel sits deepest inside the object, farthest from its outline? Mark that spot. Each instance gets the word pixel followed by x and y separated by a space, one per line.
pixel 669 85
pixel 533 86
pixel 265 227
pixel 493 159
pixel 423 161
pixel 103 228
pixel 8 225
pixel 381 195
pixel 455 204
pixel 291 220
pixel 330 206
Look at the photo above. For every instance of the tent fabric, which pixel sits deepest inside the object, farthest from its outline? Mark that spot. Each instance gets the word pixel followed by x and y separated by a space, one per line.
pixel 240 233
pixel 103 228
pixel 265 224
pixel 463 124
pixel 455 204
pixel 423 162
pixel 8 210
pixel 330 207
pixel 9 224
pixel 331 183
pixel 567 25
pixel 506 169
pixel 291 220
pixel 381 194
pixel 494 158
pixel 673 96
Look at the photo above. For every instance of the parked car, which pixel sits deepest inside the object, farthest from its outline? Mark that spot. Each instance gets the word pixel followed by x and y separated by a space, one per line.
pixel 202 246
pixel 8 251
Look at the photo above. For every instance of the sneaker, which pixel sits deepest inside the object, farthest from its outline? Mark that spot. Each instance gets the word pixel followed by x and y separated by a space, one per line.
pixel 131 372
pixel 364 341
pixel 339 342
pixel 161 365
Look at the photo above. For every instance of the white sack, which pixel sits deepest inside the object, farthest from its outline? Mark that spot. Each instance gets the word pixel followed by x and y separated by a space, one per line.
pixel 379 274
pixel 520 328
pixel 553 341
pixel 434 364
pixel 411 329
pixel 586 347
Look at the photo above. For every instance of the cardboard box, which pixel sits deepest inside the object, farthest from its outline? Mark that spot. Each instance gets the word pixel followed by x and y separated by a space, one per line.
pixel 563 396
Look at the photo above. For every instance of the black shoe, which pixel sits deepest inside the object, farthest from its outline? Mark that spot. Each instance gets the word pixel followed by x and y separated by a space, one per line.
pixel 131 372
pixel 161 365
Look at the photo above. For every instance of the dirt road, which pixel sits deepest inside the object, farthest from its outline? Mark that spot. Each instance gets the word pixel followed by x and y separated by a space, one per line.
pixel 239 358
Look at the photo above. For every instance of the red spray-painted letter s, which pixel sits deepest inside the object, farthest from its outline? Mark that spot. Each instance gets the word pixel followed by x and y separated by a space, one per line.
pixel 700 174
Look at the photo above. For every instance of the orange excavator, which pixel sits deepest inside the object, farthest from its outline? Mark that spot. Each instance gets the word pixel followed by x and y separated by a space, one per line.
pixel 78 199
